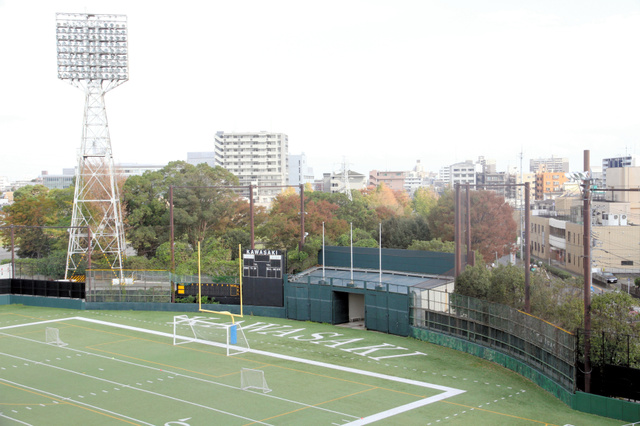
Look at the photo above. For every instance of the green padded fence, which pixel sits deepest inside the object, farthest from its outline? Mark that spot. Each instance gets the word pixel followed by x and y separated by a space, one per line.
pixel 494 356
pixel 606 407
pixel 416 261
pixel 47 302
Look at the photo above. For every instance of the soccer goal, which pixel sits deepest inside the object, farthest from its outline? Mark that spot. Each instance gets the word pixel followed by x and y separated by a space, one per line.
pixel 205 331
pixel 253 379
pixel 52 337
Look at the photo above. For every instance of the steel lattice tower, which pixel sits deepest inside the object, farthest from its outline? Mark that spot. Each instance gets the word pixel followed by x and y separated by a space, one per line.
pixel 93 56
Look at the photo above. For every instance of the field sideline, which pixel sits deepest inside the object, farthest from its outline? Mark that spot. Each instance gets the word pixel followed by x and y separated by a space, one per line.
pixel 318 373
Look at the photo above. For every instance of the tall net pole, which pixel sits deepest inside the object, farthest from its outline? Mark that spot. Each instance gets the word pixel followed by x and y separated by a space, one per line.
pixel 93 56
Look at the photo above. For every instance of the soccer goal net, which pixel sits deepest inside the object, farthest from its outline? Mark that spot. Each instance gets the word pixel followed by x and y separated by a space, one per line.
pixel 52 337
pixel 204 330
pixel 253 379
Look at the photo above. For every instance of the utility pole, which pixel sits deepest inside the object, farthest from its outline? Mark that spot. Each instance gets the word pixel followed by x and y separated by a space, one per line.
pixel 586 242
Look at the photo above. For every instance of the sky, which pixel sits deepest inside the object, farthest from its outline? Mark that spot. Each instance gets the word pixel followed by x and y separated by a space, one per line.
pixel 370 84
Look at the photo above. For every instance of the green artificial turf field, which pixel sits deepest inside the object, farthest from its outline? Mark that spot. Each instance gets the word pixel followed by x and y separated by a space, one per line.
pixel 121 367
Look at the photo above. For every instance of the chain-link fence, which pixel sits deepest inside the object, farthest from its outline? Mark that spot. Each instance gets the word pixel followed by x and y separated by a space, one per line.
pixel 106 285
pixel 528 339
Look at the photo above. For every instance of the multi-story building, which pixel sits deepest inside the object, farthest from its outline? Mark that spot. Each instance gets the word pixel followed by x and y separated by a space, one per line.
pixel 256 158
pixel 195 158
pixel 464 173
pixel 299 171
pixel 65 180
pixel 553 164
pixel 392 180
pixel 444 175
pixel 616 162
pixel 549 184
pixel 337 182
pixel 487 165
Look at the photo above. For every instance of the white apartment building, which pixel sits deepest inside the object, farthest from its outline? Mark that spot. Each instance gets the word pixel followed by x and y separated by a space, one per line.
pixel 256 158
pixel 463 173
pixel 299 171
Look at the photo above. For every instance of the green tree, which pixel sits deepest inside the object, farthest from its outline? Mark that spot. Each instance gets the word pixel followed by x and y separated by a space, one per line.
pixel 615 329
pixel 37 206
pixel 424 199
pixel 203 204
pixel 441 218
pixel 474 281
pixel 360 237
pixel 507 286
pixel 433 245
pixel 400 232
pixel 355 211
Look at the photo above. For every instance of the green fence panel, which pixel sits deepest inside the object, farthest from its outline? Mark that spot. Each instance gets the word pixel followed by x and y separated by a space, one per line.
pixel 398 314
pixel 494 356
pixel 606 407
pixel 47 302
pixel 417 261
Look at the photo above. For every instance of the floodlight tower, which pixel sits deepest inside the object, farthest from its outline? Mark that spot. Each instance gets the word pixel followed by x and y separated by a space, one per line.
pixel 93 56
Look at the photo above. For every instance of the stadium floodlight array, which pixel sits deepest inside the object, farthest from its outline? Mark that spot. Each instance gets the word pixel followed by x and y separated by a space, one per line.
pixel 229 336
pixel 92 48
pixel 92 55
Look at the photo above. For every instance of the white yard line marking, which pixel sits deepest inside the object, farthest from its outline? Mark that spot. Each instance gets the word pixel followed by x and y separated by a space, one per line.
pixel 15 420
pixel 93 407
pixel 128 387
pixel 448 392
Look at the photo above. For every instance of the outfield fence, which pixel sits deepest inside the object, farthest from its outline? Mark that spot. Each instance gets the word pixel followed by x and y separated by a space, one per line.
pixel 530 340
pixel 104 285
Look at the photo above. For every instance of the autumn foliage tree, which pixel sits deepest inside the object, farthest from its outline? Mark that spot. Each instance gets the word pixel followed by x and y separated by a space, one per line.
pixel 282 229
pixel 493 229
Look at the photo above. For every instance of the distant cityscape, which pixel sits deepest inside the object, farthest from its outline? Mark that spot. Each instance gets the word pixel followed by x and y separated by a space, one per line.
pixel 262 159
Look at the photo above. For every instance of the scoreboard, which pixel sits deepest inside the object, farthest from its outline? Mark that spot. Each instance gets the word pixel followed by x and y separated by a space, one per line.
pixel 263 277
pixel 262 263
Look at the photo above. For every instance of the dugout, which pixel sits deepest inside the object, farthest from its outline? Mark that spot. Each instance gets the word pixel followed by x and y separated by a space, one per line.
pixel 339 293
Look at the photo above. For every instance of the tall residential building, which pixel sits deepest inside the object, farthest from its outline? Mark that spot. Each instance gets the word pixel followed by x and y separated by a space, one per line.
pixel 299 171
pixel 553 164
pixel 195 158
pixel 256 158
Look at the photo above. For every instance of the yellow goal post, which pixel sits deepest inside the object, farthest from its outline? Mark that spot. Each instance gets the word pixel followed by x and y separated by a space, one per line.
pixel 200 309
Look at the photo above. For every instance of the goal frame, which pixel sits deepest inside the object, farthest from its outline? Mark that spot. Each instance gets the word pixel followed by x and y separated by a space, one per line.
pixel 253 379
pixel 52 337
pixel 233 334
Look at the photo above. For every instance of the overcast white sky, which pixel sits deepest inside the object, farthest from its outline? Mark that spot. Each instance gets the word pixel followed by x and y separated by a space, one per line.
pixel 378 84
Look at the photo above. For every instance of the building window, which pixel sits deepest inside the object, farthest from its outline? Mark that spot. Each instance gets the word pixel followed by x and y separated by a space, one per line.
pixel 627 263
